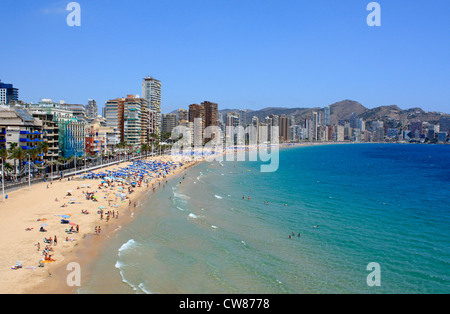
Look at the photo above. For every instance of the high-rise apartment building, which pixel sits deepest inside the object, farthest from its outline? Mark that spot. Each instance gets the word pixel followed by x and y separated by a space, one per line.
pixel 284 128
pixel 243 118
pixel 91 110
pixel 151 91
pixel 169 122
pixel 211 113
pixel 416 128
pixel 314 126
pixel 182 116
pixel 10 94
pixel 3 96
pixel 377 124
pixel 197 111
pixel 444 124
pixel 78 110
pixel 326 115
pixel 130 117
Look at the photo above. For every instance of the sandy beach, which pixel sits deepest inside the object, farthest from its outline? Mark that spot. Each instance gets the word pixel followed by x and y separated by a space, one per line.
pixel 25 211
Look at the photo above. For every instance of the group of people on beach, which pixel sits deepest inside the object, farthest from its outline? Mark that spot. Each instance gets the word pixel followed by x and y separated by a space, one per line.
pixel 98 230
pixel 110 214
pixel 134 176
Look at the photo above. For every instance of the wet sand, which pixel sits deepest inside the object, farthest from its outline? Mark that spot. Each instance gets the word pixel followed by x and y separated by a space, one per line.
pixel 26 208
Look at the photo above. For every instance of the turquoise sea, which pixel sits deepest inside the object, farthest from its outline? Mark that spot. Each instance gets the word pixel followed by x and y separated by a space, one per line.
pixel 382 203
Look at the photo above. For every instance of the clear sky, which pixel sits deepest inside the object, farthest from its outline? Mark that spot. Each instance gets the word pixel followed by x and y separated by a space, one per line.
pixel 239 53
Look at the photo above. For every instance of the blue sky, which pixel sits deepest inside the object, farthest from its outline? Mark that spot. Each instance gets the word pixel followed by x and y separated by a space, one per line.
pixel 239 53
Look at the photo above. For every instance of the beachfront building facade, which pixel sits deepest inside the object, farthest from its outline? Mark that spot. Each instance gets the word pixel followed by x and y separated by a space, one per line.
pixel 131 118
pixel 132 121
pixel 101 139
pixel 20 129
pixel 50 133
pixel 71 130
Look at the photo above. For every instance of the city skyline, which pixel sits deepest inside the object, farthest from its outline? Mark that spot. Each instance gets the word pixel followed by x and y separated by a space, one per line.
pixel 309 54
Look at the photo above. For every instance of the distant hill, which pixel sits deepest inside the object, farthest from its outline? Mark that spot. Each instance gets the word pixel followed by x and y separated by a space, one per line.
pixel 343 109
pixel 392 115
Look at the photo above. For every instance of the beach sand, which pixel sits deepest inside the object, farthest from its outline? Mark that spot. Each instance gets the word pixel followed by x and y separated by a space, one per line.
pixel 25 207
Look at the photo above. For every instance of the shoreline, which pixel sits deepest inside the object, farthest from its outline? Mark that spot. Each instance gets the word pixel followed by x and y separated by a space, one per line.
pixel 25 209
pixel 88 255
pixel 88 247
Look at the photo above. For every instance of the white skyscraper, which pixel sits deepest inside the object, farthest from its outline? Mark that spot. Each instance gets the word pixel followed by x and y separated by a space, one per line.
pixel 326 115
pixel 151 91
pixel 314 126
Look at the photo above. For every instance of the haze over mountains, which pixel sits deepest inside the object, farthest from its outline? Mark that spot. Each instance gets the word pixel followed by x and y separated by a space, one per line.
pixel 343 109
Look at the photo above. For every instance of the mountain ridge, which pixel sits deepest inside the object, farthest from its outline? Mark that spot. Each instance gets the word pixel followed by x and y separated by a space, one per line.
pixel 342 110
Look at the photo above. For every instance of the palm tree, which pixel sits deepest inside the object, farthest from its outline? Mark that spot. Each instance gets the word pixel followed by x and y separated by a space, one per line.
pixel 11 151
pixel 43 147
pixel 4 155
pixel 145 148
pixel 18 154
pixel 33 153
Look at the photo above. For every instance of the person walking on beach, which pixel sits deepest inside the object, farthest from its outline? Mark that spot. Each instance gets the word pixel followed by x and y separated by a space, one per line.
pixel 96 232
pixel 55 241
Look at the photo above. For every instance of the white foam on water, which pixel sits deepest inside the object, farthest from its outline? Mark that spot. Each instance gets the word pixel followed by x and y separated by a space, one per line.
pixel 194 216
pixel 181 196
pixel 218 196
pixel 144 288
pixel 130 244
pixel 126 246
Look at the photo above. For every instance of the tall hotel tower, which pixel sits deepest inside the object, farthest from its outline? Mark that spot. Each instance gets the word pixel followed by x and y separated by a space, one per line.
pixel 151 91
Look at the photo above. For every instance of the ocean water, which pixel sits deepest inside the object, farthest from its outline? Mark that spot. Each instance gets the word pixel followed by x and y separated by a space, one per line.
pixel 382 203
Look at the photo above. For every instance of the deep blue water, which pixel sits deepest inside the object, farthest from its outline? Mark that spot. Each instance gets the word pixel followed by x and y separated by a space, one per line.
pixel 383 203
